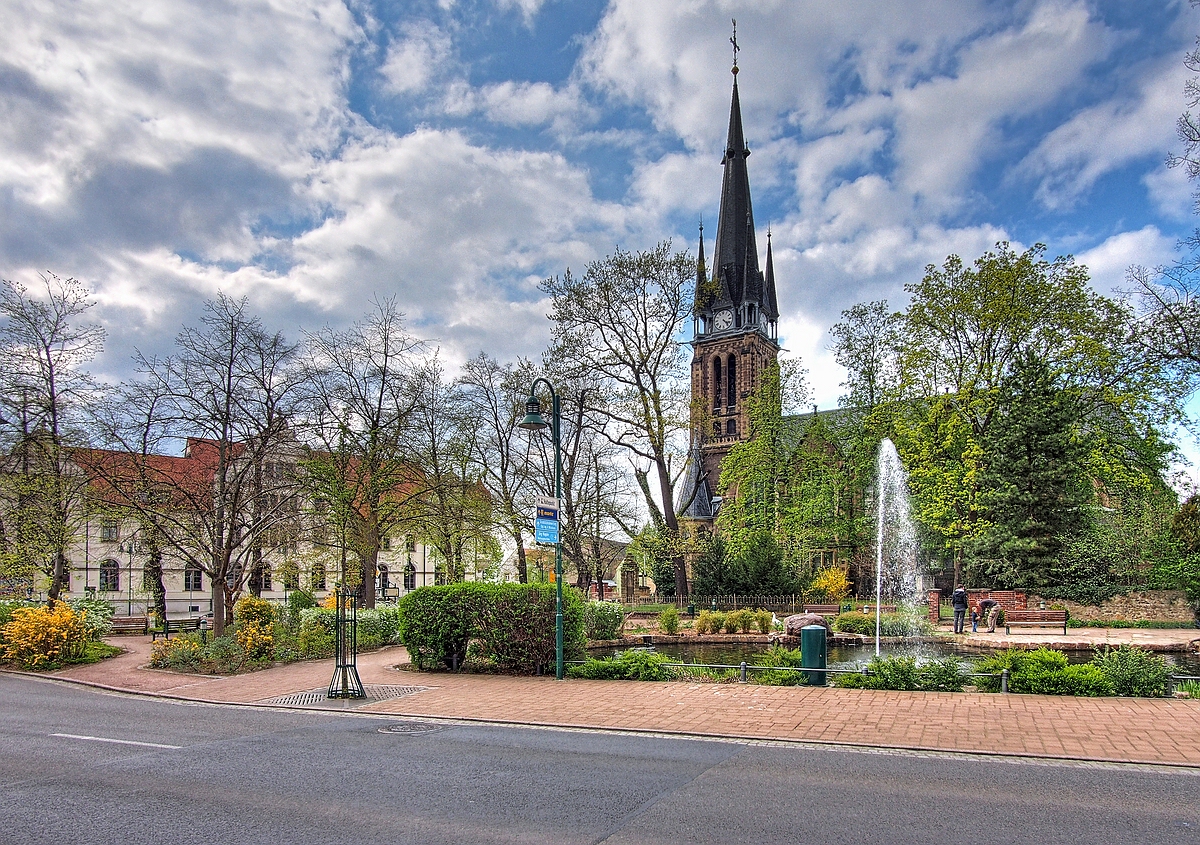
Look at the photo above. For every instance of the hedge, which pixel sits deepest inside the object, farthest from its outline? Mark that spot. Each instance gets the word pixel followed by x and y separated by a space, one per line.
pixel 513 625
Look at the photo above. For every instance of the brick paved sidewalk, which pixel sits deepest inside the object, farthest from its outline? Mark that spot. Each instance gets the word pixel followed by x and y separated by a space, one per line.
pixel 1157 731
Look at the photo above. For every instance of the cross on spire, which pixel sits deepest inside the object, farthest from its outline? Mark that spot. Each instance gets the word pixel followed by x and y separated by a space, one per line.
pixel 736 48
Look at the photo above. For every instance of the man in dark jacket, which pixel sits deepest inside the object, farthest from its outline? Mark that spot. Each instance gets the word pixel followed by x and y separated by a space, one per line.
pixel 959 601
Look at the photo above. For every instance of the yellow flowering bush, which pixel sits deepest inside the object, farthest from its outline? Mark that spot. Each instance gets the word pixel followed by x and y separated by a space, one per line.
pixel 39 637
pixel 257 640
pixel 830 586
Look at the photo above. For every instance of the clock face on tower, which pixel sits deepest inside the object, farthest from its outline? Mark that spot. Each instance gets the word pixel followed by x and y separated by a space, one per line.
pixel 723 319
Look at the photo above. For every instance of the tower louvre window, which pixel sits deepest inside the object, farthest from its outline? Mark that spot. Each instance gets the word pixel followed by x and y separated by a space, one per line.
pixel 731 427
pixel 731 397
pixel 716 381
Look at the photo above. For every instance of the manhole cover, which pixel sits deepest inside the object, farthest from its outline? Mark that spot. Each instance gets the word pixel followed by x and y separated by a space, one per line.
pixel 411 728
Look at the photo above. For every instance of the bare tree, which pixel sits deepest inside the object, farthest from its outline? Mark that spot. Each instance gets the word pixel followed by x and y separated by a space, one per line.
pixel 225 395
pixel 45 395
pixel 361 400
pixel 621 322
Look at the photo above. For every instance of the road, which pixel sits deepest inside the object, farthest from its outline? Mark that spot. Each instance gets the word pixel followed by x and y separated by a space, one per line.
pixel 222 775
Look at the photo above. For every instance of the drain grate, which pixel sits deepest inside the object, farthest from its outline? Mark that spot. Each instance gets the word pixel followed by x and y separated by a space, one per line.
pixel 312 698
pixel 411 728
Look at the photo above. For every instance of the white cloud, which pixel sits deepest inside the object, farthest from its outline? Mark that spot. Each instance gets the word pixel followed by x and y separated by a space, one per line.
pixel 528 103
pixel 1108 261
pixel 414 57
pixel 1101 138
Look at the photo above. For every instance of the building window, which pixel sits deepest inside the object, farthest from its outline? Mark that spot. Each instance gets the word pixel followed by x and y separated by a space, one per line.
pixel 716 381
pixel 410 577
pixel 318 576
pixel 731 379
pixel 193 578
pixel 410 544
pixel 265 574
pixel 110 532
pixel 110 576
pixel 291 578
pixel 731 427
pixel 716 428
pixel 383 577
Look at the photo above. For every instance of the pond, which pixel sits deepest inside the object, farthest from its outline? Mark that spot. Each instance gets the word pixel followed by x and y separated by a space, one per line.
pixel 847 657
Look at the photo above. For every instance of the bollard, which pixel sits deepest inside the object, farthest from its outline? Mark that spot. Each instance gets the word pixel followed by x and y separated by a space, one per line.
pixel 812 653
pixel 743 678
pixel 1003 680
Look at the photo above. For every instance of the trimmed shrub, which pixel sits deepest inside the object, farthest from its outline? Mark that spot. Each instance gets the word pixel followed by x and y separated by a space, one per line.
pixel 42 637
pixel 903 673
pixel 514 624
pixel 668 621
pixel 890 624
pixel 603 620
pixel 946 675
pixel 763 620
pixel 1133 671
pixel 704 623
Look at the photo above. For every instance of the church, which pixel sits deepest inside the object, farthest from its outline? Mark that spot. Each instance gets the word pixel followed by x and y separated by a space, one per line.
pixel 735 328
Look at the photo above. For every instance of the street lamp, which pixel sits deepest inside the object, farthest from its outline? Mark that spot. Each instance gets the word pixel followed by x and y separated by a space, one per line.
pixel 533 422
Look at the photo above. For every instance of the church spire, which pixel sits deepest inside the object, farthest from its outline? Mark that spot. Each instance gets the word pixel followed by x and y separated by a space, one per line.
pixel 770 302
pixel 735 255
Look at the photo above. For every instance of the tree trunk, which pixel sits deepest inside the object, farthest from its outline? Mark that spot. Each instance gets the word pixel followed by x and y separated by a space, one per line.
pixel 218 605
pixel 158 591
pixel 256 572
pixel 522 564
pixel 57 578
pixel 370 570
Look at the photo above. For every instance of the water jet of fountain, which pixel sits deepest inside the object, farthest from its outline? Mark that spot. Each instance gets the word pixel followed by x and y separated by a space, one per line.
pixel 896 572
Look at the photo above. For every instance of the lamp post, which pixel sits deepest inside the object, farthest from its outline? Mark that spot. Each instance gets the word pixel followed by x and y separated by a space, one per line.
pixel 533 422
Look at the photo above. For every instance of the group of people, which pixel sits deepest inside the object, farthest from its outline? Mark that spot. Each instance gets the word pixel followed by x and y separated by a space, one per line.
pixel 987 610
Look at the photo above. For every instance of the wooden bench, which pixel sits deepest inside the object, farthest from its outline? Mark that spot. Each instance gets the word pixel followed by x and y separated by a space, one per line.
pixel 174 626
pixel 129 624
pixel 870 608
pixel 823 609
pixel 1055 618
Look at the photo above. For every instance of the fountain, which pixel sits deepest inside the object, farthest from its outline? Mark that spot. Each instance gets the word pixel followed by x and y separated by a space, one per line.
pixel 896 574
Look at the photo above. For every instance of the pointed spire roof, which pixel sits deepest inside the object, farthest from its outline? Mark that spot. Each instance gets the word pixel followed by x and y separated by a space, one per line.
pixel 770 302
pixel 735 256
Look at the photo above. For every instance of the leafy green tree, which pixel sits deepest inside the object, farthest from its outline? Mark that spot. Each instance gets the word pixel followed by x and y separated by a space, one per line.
pixel 1033 484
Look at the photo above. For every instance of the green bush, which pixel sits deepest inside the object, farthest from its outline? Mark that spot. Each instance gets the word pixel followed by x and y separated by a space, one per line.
pixel 890 624
pixel 97 620
pixel 632 665
pixel 903 673
pixel 763 620
pixel 705 622
pixel 314 642
pixel 514 624
pixel 1133 671
pixel 603 620
pixel 777 655
pixel 733 621
pixel 668 621
pixel 299 600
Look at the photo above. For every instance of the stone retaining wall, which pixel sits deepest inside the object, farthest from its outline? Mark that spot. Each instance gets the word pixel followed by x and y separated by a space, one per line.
pixel 1155 605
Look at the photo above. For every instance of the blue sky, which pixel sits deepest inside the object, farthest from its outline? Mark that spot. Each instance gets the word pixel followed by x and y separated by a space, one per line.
pixel 310 154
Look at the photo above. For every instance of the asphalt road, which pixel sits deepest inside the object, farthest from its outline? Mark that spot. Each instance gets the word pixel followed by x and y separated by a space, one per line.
pixel 225 776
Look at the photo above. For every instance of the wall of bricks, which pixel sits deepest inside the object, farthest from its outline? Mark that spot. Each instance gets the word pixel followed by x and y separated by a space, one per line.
pixel 1151 605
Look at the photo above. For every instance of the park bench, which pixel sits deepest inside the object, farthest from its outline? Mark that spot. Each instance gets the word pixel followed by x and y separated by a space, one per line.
pixel 129 624
pixel 174 626
pixel 823 609
pixel 870 608
pixel 1055 618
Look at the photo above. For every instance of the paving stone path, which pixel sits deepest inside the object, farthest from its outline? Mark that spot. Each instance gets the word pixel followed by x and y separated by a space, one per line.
pixel 1154 731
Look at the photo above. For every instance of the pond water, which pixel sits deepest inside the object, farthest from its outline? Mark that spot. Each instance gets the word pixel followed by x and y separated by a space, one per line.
pixel 847 657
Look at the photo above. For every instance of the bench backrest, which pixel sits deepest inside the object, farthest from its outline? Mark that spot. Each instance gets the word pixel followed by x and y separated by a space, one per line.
pixel 823 609
pixel 1035 615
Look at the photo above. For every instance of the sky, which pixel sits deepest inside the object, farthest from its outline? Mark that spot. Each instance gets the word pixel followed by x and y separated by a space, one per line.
pixel 312 154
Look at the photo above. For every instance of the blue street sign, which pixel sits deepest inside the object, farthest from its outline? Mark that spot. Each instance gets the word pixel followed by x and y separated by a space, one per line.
pixel 545 524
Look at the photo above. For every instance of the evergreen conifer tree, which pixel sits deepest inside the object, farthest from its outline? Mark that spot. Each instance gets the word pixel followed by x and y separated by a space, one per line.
pixel 1033 482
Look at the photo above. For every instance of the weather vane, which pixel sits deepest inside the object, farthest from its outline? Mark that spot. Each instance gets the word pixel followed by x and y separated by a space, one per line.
pixel 733 41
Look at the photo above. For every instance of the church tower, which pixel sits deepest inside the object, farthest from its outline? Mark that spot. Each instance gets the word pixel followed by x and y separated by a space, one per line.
pixel 735 331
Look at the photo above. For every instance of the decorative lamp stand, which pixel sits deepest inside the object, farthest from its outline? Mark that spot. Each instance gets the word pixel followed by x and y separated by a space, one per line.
pixel 346 683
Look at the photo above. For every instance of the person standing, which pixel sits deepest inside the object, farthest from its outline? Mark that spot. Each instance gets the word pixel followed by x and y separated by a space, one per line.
pixel 959 601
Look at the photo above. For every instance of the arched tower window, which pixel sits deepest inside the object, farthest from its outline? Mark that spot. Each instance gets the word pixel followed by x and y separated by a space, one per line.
pixel 731 379
pixel 716 381
pixel 410 577
pixel 731 426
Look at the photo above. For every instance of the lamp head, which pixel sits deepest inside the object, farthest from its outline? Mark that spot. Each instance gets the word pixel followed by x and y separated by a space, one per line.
pixel 533 415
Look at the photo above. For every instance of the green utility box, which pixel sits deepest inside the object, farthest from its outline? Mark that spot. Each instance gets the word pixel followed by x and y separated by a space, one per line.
pixel 813 654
